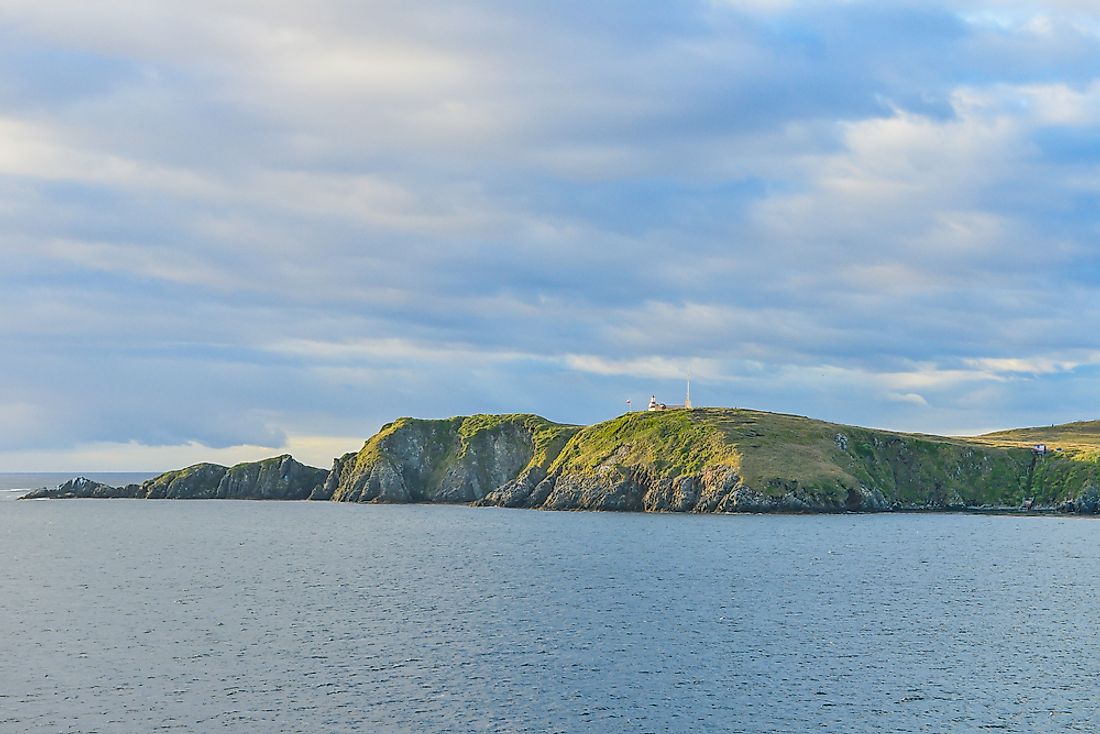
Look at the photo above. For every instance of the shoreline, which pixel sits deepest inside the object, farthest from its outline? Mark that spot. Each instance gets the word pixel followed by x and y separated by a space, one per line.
pixel 992 511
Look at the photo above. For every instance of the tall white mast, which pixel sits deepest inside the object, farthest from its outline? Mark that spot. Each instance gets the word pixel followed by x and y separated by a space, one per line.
pixel 687 397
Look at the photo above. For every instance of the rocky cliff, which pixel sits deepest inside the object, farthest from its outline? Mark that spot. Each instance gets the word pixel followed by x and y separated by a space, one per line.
pixel 454 460
pixel 281 477
pixel 702 460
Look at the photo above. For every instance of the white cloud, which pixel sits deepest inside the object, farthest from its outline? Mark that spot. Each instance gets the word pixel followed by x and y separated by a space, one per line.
pixel 646 367
pixel 1041 365
pixel 142 260
pixel 105 456
pixel 38 150
pixel 393 349
pixel 907 397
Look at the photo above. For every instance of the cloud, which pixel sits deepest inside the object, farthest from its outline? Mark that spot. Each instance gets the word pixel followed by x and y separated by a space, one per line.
pixel 134 456
pixel 646 367
pixel 907 397
pixel 1033 365
pixel 252 225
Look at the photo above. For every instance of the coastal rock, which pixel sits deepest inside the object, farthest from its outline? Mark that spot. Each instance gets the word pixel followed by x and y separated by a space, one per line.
pixel 278 478
pixel 611 488
pixel 198 482
pixel 455 460
pixel 523 491
pixel 281 477
pixel 84 488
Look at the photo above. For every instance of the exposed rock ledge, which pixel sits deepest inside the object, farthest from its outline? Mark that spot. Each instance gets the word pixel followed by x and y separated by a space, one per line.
pixel 278 478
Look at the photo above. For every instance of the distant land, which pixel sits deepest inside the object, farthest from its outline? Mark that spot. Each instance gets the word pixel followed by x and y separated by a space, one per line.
pixel 688 460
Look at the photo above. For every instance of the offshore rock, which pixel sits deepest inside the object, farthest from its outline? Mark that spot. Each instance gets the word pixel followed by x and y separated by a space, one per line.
pixel 278 478
pixel 82 487
pixel 281 477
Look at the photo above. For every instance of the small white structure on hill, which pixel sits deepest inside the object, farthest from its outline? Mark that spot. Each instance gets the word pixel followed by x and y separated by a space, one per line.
pixel 654 405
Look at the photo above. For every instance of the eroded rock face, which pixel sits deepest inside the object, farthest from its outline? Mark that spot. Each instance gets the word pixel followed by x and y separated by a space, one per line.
pixel 716 489
pixel 523 491
pixel 84 488
pixel 198 482
pixel 610 488
pixel 457 460
pixel 279 478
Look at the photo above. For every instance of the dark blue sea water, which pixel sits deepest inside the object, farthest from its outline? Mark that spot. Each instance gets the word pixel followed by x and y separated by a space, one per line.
pixel 221 616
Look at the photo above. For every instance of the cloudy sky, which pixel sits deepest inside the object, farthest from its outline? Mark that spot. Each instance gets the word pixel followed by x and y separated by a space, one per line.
pixel 227 233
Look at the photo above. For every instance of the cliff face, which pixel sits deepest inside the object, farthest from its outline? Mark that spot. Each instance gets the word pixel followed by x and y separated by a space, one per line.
pixel 454 460
pixel 198 482
pixel 278 478
pixel 281 477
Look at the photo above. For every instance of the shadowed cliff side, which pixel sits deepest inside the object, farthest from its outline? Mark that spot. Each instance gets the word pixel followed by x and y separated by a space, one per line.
pixel 458 459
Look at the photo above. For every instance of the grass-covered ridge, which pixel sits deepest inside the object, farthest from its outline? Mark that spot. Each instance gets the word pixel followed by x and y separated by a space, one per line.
pixel 1079 440
pixel 668 443
pixel 800 462
pixel 1071 469
pixel 777 454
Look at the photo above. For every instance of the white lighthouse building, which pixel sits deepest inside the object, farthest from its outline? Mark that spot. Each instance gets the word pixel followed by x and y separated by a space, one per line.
pixel 654 405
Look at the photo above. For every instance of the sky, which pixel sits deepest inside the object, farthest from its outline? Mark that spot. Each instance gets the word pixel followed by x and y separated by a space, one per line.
pixel 232 230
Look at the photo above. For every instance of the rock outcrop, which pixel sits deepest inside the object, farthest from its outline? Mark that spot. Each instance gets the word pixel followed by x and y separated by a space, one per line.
pixel 198 482
pixel 454 460
pixel 281 477
pixel 278 478
pixel 82 487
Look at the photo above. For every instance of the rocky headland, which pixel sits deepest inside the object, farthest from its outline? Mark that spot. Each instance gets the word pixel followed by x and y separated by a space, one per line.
pixel 702 460
pixel 277 478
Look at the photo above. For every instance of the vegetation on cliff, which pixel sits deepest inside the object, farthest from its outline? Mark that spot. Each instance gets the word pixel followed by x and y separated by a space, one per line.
pixel 1068 475
pixel 458 459
pixel 702 460
pixel 797 460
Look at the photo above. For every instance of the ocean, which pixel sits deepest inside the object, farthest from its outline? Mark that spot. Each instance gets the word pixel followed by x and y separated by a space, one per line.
pixel 231 616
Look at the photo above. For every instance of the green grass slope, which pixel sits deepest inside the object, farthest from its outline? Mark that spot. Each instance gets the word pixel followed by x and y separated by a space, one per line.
pixel 1070 472
pixel 820 463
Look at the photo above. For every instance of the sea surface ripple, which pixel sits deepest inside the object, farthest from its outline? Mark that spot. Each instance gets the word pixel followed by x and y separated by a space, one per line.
pixel 224 616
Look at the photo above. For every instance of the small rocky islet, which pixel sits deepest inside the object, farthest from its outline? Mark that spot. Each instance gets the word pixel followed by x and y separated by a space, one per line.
pixel 702 460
